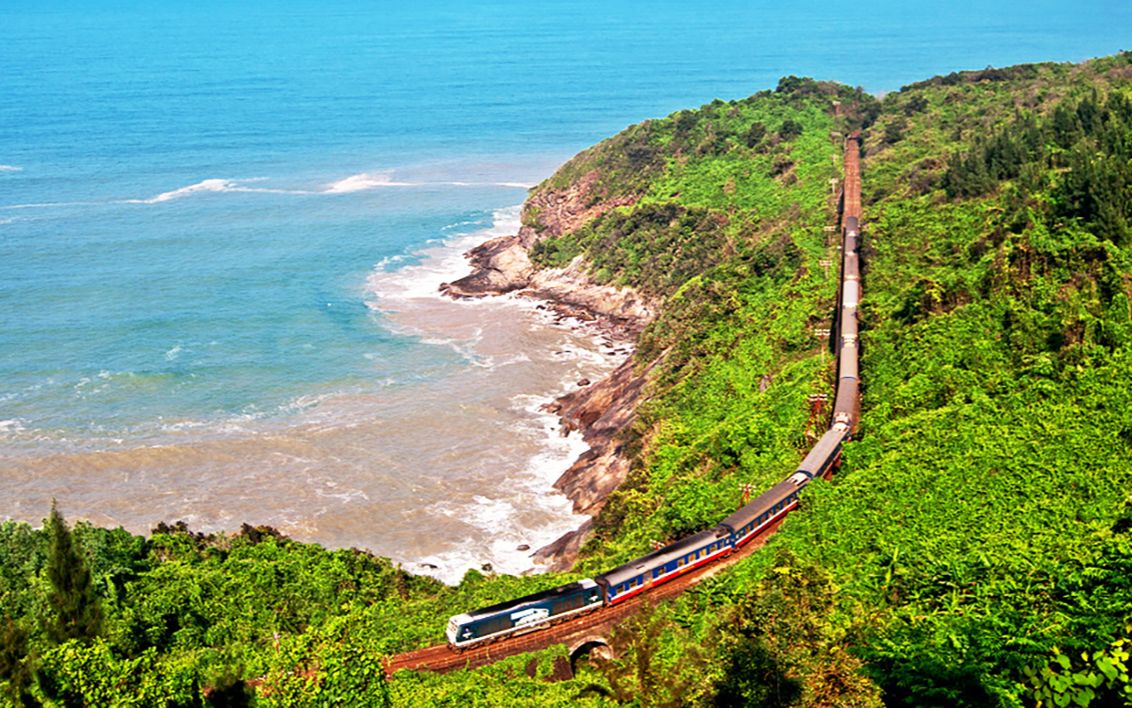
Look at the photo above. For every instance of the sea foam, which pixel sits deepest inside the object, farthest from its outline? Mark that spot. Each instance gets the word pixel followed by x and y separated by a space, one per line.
pixel 208 185
pixel 440 263
pixel 364 181
pixel 214 186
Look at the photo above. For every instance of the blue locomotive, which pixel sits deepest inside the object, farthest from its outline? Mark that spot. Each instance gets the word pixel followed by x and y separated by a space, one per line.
pixel 525 614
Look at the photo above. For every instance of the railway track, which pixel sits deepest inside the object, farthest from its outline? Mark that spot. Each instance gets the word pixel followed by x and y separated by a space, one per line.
pixel 441 658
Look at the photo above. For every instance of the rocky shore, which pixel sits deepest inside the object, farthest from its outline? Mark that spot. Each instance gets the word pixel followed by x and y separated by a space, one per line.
pixel 598 410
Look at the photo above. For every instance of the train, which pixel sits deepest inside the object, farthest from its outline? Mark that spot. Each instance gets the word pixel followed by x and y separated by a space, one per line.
pixel 564 603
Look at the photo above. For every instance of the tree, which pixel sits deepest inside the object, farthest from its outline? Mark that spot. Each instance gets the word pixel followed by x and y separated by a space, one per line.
pixel 779 647
pixel 790 129
pixel 14 664
pixel 755 134
pixel 77 614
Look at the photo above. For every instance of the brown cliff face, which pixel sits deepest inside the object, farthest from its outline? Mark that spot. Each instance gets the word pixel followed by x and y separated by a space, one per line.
pixel 599 411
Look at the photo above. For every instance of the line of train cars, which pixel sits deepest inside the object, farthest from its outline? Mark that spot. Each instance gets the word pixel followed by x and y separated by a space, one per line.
pixel 559 604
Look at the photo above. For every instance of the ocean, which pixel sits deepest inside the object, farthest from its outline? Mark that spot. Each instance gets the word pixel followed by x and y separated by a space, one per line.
pixel 222 228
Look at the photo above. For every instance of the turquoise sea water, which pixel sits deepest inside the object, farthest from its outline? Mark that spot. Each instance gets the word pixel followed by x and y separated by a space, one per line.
pixel 216 221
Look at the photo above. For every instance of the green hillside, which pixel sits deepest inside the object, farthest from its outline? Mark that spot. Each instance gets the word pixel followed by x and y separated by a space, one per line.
pixel 973 550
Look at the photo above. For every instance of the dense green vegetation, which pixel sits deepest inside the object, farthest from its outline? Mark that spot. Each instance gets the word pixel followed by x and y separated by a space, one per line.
pixel 976 548
pixel 730 232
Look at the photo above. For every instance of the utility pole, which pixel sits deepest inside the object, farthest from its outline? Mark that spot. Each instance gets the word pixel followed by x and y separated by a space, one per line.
pixel 817 408
pixel 822 334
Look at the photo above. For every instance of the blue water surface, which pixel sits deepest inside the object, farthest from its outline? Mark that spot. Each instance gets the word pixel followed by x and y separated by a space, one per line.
pixel 193 194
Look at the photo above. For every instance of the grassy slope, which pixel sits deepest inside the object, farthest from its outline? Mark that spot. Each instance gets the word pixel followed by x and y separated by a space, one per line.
pixel 980 524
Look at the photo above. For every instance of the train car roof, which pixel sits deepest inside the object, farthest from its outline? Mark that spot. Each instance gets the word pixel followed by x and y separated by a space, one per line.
pixel 824 449
pixel 670 552
pixel 846 396
pixel 534 597
pixel 760 504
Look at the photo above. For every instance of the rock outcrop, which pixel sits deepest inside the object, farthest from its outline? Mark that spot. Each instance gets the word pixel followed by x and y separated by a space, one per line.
pixel 502 265
pixel 601 412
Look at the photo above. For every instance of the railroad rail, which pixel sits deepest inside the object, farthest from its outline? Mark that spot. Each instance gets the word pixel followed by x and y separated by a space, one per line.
pixel 442 658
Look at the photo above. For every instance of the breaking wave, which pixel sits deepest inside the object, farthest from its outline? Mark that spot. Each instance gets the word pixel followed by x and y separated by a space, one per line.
pixel 211 186
pixel 364 181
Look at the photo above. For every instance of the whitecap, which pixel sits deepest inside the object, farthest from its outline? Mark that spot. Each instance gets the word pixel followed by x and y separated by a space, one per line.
pixel 47 205
pixel 213 186
pixel 518 185
pixel 363 181
pixel 208 185
pixel 11 168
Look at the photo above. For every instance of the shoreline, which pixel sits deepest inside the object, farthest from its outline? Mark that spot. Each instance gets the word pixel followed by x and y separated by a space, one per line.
pixel 599 410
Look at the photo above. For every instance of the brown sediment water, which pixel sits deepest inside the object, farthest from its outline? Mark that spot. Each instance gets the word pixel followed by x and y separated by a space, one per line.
pixel 443 473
